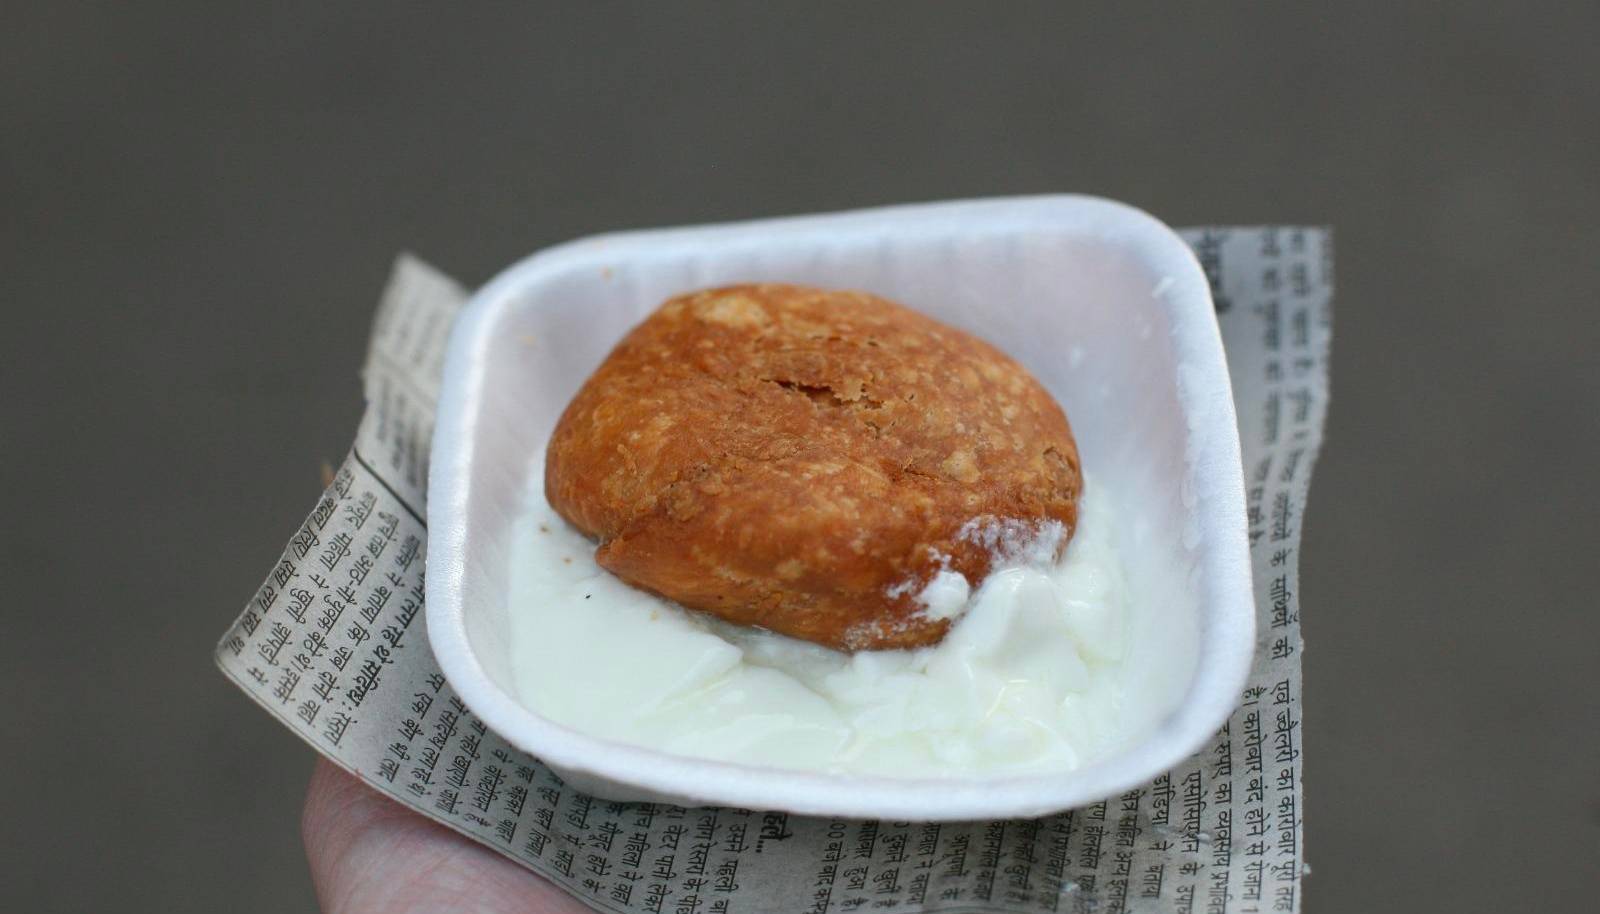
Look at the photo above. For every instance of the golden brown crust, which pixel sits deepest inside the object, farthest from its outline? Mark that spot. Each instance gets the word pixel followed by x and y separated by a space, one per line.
pixel 783 456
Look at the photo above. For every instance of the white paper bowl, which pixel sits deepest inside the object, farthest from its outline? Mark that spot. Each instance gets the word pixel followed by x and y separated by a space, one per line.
pixel 1102 302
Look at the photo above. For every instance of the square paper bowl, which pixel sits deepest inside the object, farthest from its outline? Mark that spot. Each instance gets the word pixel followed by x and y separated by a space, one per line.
pixel 1105 305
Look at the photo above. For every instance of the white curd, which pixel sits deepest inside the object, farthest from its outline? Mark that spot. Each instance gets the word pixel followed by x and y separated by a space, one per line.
pixel 1026 681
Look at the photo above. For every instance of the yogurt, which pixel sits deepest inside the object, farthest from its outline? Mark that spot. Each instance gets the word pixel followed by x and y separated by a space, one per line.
pixel 1025 682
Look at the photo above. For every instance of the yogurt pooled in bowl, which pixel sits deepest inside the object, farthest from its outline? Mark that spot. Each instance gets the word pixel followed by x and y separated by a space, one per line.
pixel 1024 682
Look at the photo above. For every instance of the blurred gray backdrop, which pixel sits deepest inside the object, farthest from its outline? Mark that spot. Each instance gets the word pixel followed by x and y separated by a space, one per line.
pixel 187 188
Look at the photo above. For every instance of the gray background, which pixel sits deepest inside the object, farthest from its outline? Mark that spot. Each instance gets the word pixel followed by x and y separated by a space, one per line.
pixel 199 203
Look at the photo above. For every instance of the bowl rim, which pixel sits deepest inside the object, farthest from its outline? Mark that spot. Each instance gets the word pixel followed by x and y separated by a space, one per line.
pixel 1227 625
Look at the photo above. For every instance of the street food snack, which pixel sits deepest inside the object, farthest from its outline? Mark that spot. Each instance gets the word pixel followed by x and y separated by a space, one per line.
pixel 827 465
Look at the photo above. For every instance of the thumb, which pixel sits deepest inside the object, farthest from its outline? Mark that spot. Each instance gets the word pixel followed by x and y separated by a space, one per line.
pixel 369 854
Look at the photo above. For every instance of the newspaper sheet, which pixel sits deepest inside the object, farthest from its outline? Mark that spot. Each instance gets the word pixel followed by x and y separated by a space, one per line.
pixel 335 645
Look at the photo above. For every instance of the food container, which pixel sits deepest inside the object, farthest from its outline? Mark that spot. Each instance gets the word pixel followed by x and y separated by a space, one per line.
pixel 1102 302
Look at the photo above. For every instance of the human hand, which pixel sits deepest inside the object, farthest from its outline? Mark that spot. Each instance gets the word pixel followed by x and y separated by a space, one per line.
pixel 370 854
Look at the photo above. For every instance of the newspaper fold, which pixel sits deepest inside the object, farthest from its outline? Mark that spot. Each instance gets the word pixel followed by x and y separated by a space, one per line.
pixel 335 645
